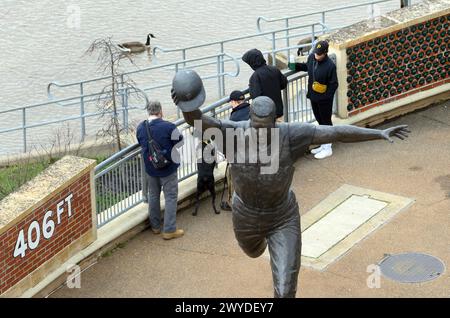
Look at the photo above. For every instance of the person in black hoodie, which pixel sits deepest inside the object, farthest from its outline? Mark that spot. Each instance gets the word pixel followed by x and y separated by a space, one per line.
pixel 267 80
pixel 322 84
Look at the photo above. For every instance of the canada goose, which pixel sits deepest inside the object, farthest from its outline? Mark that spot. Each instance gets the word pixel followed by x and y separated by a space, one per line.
pixel 136 47
pixel 304 49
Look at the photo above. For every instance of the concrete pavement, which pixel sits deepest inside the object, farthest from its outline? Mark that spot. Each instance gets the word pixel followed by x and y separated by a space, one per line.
pixel 207 261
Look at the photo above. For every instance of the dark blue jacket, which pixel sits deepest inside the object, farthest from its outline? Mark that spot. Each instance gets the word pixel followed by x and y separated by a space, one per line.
pixel 161 132
pixel 241 112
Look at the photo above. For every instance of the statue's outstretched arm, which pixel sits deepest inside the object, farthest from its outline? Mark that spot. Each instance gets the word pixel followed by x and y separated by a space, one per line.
pixel 207 121
pixel 347 133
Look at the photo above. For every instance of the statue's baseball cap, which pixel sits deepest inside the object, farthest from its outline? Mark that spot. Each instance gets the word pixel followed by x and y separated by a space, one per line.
pixel 188 91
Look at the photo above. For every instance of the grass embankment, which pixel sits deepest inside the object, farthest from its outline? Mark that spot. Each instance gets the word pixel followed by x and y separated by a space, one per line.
pixel 12 177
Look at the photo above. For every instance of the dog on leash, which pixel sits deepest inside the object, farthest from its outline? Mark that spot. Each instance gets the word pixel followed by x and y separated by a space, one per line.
pixel 205 177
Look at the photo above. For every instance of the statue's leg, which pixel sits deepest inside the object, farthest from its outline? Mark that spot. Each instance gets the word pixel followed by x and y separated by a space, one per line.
pixel 285 252
pixel 247 232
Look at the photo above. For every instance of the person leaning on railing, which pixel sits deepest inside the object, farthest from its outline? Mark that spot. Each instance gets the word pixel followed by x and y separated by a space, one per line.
pixel 322 84
pixel 163 133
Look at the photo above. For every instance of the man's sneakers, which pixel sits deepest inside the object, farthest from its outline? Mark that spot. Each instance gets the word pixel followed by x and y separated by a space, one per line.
pixel 324 153
pixel 172 235
pixel 316 150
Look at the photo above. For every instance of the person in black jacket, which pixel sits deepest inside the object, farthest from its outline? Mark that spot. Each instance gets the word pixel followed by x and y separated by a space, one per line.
pixel 267 80
pixel 322 84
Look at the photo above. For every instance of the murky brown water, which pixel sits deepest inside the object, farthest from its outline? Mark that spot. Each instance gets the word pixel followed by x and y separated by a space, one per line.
pixel 44 41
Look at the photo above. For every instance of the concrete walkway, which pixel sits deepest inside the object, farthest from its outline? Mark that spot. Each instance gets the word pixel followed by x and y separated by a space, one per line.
pixel 207 261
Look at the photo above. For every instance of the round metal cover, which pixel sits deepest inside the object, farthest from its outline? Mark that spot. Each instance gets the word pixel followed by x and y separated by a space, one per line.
pixel 412 267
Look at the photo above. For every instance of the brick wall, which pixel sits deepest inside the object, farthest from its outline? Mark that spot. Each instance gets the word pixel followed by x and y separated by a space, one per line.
pixel 398 64
pixel 75 200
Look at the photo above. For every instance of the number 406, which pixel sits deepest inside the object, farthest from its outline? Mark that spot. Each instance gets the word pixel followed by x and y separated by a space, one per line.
pixel 48 228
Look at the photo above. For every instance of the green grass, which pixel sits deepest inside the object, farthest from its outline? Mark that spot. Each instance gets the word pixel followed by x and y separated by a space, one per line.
pixel 12 177
pixel 109 199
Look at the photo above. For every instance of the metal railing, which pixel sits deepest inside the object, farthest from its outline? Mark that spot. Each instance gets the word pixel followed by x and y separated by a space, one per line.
pixel 322 14
pixel 175 66
pixel 221 43
pixel 119 180
pixel 82 98
pixel 82 116
pixel 25 115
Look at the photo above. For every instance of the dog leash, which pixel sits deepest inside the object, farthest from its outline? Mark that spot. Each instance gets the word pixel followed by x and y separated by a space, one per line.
pixel 225 182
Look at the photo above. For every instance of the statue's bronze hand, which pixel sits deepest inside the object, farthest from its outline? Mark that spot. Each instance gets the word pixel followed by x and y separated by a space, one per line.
pixel 401 132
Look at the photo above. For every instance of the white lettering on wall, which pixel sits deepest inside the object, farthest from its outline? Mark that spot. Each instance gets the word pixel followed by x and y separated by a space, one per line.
pixel 47 228
pixel 69 203
pixel 59 210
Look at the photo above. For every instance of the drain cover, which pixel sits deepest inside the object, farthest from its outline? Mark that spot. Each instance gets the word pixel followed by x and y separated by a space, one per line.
pixel 411 267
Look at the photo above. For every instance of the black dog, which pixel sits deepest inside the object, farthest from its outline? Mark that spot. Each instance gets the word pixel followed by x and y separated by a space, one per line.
pixel 205 178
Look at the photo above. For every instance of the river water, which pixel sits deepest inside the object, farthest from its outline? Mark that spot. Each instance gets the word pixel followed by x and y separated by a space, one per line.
pixel 44 41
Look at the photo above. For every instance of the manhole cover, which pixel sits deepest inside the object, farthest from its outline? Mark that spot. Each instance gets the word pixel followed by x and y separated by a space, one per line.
pixel 412 267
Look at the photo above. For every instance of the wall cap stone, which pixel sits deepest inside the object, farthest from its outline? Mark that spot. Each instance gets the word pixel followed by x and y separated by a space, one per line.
pixel 387 23
pixel 16 206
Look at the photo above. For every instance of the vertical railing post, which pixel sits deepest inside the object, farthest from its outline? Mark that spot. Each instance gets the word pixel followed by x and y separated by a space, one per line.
pixel 125 110
pixel 183 54
pixel 286 104
pixel 178 108
pixel 219 57
pixel 273 49
pixel 323 17
pixel 82 111
pixel 124 99
pixel 313 34
pixel 287 39
pixel 222 69
pixel 24 129
pixel 404 3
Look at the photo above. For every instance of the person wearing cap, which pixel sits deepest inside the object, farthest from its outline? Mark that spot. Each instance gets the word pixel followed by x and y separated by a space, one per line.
pixel 265 212
pixel 241 109
pixel 266 80
pixel 322 84
pixel 167 136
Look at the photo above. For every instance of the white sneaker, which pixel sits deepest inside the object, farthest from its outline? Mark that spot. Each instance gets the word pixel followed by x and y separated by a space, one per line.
pixel 317 150
pixel 326 152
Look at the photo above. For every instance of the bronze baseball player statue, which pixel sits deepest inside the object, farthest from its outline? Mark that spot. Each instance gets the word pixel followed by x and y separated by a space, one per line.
pixel 265 211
